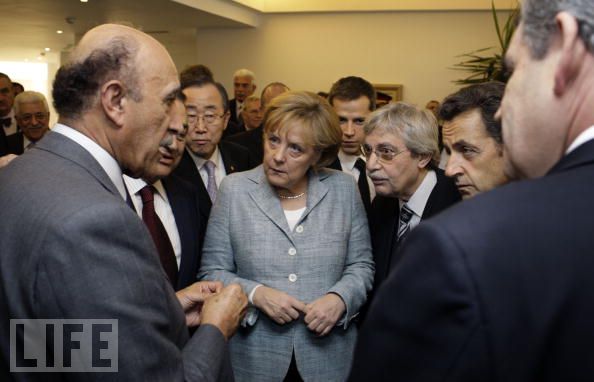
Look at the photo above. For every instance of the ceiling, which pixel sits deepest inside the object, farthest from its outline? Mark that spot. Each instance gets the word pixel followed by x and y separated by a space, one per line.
pixel 28 27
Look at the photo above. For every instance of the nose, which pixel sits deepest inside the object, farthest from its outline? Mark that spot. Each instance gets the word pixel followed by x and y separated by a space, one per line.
pixel 453 167
pixel 498 114
pixel 279 154
pixel 348 129
pixel 372 164
pixel 200 125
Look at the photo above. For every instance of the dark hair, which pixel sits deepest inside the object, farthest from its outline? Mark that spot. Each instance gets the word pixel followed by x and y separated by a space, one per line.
pixel 539 25
pixel 224 96
pixel 351 88
pixel 77 83
pixel 2 75
pixel 486 97
pixel 200 81
pixel 193 73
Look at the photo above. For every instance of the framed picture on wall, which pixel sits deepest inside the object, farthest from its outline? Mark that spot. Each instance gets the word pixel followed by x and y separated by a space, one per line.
pixel 387 93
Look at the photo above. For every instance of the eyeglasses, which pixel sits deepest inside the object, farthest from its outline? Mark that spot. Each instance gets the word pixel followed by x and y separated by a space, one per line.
pixel 26 118
pixel 384 153
pixel 208 118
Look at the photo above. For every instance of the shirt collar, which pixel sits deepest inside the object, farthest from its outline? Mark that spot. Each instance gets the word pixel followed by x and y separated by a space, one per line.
pixel 199 161
pixel 106 161
pixel 347 161
pixel 584 137
pixel 136 184
pixel 418 200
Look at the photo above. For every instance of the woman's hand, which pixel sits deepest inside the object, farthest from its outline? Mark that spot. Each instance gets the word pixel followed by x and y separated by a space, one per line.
pixel 323 313
pixel 279 306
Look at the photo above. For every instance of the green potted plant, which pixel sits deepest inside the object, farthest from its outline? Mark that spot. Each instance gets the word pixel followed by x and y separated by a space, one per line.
pixel 490 67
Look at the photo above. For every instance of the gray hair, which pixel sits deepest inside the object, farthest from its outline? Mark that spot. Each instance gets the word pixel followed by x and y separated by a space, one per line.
pixel 29 97
pixel 416 127
pixel 538 18
pixel 245 73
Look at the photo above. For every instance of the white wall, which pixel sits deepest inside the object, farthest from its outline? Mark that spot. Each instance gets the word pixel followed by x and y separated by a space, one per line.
pixel 311 51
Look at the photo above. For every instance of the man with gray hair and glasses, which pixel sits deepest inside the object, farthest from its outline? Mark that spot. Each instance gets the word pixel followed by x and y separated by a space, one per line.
pixel 402 153
pixel 500 287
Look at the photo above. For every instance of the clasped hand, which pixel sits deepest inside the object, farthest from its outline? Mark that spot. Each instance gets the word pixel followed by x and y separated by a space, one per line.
pixel 320 315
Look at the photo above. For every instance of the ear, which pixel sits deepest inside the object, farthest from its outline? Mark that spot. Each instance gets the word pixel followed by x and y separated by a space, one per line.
pixel 572 52
pixel 424 161
pixel 226 120
pixel 113 101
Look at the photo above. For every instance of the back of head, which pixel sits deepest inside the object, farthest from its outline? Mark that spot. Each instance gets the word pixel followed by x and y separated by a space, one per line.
pixel 485 97
pixel 538 18
pixel 314 114
pixel 272 90
pixel 104 53
pixel 29 96
pixel 352 88
pixel 416 127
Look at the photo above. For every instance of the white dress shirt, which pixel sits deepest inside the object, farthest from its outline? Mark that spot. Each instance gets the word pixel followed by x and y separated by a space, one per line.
pixel 584 137
pixel 418 200
pixel 347 162
pixel 106 161
pixel 217 159
pixel 162 208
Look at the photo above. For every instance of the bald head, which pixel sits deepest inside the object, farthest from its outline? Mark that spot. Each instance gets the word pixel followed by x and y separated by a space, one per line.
pixel 107 52
pixel 271 91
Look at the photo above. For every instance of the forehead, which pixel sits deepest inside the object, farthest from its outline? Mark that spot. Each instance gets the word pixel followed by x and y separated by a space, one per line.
pixel 242 80
pixel 293 131
pixel 4 82
pixel 467 126
pixel 31 107
pixel 203 97
pixel 381 136
pixel 359 106
pixel 255 104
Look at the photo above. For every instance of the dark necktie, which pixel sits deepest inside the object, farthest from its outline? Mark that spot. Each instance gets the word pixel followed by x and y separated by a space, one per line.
pixel 404 222
pixel 362 183
pixel 6 122
pixel 158 233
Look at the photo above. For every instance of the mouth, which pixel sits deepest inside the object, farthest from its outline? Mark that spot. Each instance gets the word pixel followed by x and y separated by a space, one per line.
pixel 378 180
pixel 200 141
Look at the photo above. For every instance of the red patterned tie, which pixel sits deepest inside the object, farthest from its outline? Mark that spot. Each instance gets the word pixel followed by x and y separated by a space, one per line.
pixel 160 237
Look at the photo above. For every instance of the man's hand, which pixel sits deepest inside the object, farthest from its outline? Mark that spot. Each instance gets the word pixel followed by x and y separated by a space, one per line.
pixel 279 306
pixel 323 313
pixel 192 298
pixel 225 309
pixel 6 159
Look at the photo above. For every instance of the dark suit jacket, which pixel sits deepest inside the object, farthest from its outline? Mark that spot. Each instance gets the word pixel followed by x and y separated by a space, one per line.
pixel 233 111
pixel 336 165
pixel 385 216
pixel 253 141
pixel 74 249
pixel 183 199
pixel 13 144
pixel 498 288
pixel 235 158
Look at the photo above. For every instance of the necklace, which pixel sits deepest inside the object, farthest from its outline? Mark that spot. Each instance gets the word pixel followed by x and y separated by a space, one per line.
pixel 292 196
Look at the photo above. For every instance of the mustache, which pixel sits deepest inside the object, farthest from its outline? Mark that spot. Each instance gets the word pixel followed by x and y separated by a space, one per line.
pixel 167 141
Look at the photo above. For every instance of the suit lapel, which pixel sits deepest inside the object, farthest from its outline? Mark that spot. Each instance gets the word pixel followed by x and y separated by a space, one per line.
pixel 267 201
pixel 316 191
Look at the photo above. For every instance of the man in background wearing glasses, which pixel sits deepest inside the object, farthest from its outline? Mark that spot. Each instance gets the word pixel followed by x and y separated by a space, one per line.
pixel 32 115
pixel 402 154
pixel 207 159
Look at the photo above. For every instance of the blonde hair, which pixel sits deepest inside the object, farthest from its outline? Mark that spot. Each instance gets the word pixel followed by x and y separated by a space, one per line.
pixel 315 114
pixel 417 128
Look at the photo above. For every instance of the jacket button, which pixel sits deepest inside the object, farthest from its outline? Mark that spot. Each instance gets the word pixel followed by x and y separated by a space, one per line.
pixel 292 277
pixel 299 229
pixel 292 251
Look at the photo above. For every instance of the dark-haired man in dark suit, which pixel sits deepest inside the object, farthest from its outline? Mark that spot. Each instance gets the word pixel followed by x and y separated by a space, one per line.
pixel 207 159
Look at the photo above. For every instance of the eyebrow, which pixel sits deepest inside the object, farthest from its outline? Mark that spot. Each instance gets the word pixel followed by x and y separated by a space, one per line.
pixel 461 143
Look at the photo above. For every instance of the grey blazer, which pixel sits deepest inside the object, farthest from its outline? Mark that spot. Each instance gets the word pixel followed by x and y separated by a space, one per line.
pixel 248 241
pixel 71 248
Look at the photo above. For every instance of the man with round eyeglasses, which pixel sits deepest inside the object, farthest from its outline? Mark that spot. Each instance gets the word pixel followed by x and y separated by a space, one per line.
pixel 402 154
